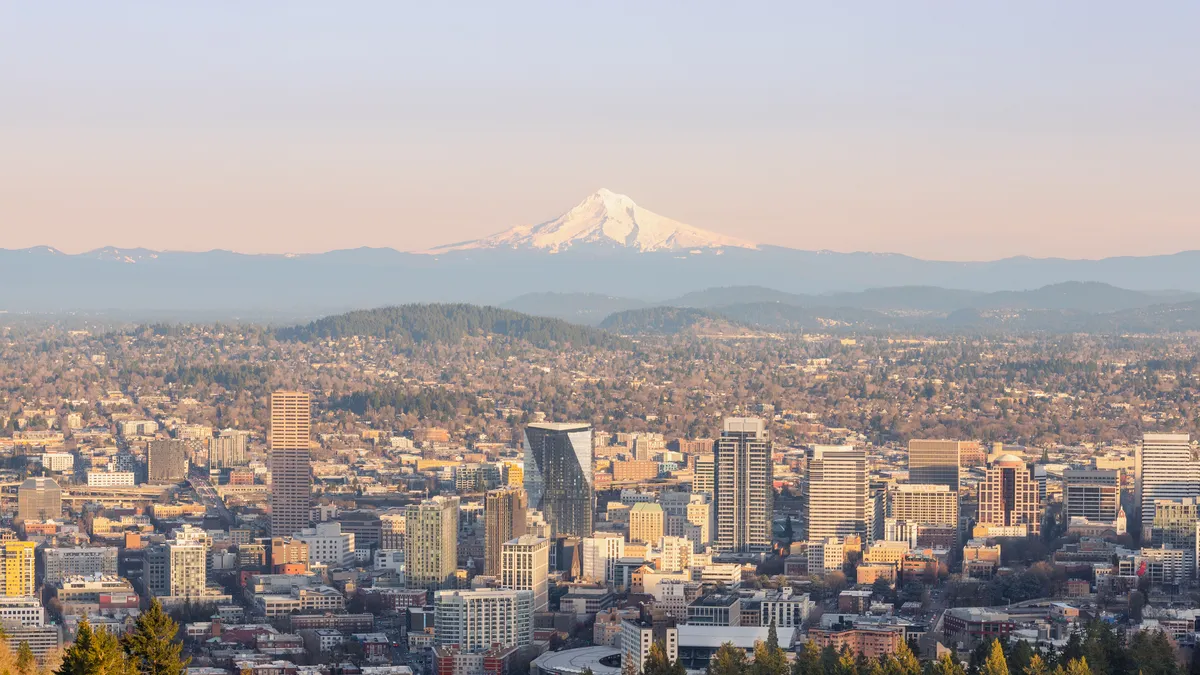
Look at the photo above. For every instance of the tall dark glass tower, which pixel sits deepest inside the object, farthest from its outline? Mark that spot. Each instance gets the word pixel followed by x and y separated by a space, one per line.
pixel 558 476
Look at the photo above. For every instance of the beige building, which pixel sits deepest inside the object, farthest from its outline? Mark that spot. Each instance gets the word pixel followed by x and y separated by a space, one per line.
pixel 291 466
pixel 835 494
pixel 525 565
pixel 431 543
pixel 39 499
pixel 646 523
pixel 925 504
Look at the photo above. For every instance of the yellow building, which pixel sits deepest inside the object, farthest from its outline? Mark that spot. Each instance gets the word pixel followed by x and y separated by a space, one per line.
pixel 19 564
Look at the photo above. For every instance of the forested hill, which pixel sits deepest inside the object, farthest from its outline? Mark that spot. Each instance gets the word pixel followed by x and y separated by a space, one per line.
pixel 447 323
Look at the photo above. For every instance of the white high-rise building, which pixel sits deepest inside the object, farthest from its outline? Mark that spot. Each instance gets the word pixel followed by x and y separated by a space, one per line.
pixel 744 492
pixel 835 499
pixel 525 566
pixel 600 554
pixel 328 545
pixel 1167 470
pixel 431 543
pixel 187 570
pixel 475 621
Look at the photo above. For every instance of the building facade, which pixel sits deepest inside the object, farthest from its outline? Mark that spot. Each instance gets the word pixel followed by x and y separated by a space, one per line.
pixel 743 487
pixel 167 461
pixel 504 514
pixel 1008 497
pixel 835 495
pixel 291 465
pixel 525 566
pixel 558 476
pixel 935 462
pixel 475 621
pixel 431 543
pixel 1166 469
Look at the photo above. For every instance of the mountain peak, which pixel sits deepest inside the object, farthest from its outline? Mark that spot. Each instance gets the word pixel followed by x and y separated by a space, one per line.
pixel 604 218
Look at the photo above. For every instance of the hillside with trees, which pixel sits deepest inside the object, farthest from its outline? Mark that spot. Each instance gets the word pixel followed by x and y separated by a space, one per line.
pixel 447 323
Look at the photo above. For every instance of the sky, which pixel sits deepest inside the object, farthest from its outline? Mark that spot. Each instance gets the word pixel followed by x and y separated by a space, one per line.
pixel 963 131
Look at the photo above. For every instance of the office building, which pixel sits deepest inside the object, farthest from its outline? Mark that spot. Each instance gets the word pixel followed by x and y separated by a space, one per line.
pixel 74 562
pixel 703 474
pixel 391 530
pixel 835 494
pixel 475 621
pixel 1008 498
pixel 26 612
pixel 645 523
pixel 177 569
pixel 328 545
pixel 601 551
pixel 637 637
pixel 106 479
pixel 1175 527
pixel 558 476
pixel 924 504
pixel 1166 470
pixel 431 543
pixel 39 499
pixel 58 462
pixel 525 566
pixel 291 466
pixel 1094 494
pixel 167 461
pixel 20 563
pixel 743 485
pixel 935 462
pixel 228 449
pixel 288 553
pixel 504 515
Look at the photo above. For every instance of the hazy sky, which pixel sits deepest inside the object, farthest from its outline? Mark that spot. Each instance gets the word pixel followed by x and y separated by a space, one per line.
pixel 964 130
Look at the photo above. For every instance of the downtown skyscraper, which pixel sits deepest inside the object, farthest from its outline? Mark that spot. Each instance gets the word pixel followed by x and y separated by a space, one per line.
pixel 835 494
pixel 291 464
pixel 504 518
pixel 558 476
pixel 933 462
pixel 1166 469
pixel 742 482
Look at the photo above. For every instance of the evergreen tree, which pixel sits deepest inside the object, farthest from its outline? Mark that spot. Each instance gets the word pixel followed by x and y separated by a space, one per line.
pixel 657 663
pixel 80 658
pixel 728 660
pixel 1078 666
pixel 151 646
pixel 906 662
pixel 948 665
pixel 995 664
pixel 1019 656
pixel 808 661
pixel 846 663
pixel 769 659
pixel 25 659
pixel 1037 666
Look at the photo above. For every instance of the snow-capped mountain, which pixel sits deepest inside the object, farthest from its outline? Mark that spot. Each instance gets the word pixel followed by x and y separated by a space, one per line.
pixel 608 219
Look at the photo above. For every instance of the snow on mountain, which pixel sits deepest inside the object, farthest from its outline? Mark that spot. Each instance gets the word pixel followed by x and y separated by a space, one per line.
pixel 124 255
pixel 604 218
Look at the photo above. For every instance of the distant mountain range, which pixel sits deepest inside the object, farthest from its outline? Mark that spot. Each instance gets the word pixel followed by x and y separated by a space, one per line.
pixel 1084 297
pixel 597 254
